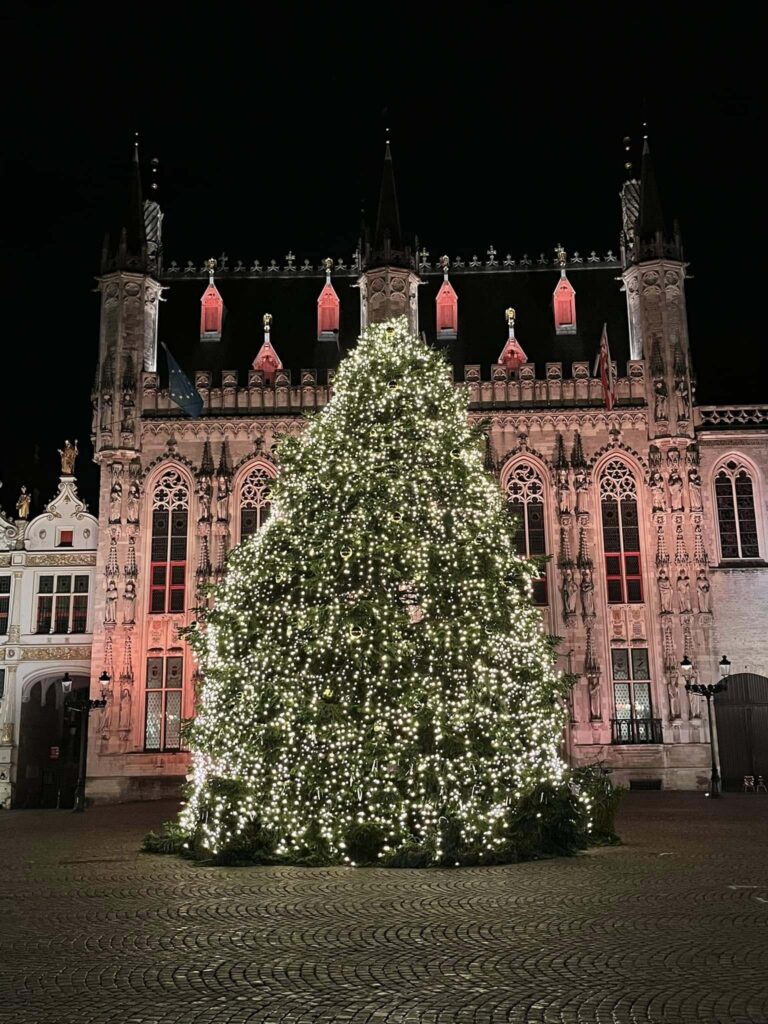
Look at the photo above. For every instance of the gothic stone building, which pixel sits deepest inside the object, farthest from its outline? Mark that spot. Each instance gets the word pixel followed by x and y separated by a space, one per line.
pixel 652 511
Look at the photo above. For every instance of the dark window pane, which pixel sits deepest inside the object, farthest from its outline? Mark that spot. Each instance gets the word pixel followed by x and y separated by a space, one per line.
pixel 79 612
pixel 174 673
pixel 5 584
pixel 634 592
pixel 613 566
pixel 632 565
pixel 158 575
pixel 620 664
pixel 81 584
pixel 628 514
pixel 46 585
pixel 154 673
pixel 157 601
pixel 4 606
pixel 177 575
pixel 178 552
pixel 44 613
pixel 540 591
pixel 61 619
pixel 179 524
pixel 63 584
pixel 640 666
pixel 614 592
pixel 176 601
pixel 249 522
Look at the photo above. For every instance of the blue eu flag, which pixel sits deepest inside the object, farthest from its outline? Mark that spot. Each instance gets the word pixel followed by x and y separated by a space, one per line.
pixel 181 389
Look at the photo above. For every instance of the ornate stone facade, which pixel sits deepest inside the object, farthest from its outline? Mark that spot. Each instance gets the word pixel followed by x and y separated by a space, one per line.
pixel 622 499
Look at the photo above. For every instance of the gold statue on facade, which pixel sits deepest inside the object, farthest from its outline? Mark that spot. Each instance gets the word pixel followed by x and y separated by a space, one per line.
pixel 68 454
pixel 22 505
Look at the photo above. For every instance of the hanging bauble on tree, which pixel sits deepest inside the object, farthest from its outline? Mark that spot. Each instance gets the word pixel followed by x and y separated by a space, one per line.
pixel 423 718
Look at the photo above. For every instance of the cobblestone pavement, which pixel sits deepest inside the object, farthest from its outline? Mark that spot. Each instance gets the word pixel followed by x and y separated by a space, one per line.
pixel 671 926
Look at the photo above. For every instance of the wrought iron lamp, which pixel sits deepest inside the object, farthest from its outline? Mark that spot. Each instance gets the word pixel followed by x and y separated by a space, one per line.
pixel 708 691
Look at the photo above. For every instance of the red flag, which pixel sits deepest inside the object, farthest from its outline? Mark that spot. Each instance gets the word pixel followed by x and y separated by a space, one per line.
pixel 607 374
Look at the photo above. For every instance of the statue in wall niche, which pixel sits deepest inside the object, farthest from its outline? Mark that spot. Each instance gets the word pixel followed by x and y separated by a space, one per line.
pixel 593 689
pixel 681 399
pixel 694 489
pixel 105 718
pixel 222 497
pixel 134 497
pixel 675 491
pixel 587 593
pixel 570 590
pixel 129 602
pixel 665 591
pixel 563 491
pixel 110 614
pixel 658 492
pixel 684 591
pixel 106 412
pixel 68 454
pixel 673 693
pixel 703 588
pixel 204 490
pixel 660 395
pixel 580 483
pixel 126 700
pixel 115 502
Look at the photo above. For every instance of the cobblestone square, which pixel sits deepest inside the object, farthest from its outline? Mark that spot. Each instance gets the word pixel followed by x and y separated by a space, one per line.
pixel 671 926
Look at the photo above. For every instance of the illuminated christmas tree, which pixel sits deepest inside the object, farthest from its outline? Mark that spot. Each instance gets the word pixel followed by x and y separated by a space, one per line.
pixel 376 684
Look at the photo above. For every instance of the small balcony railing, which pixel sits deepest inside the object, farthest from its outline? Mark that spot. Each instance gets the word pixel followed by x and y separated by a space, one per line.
pixel 636 730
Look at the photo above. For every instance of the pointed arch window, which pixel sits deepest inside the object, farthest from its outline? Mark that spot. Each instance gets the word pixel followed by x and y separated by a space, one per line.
pixel 621 534
pixel 564 304
pixel 211 314
pixel 328 312
pixel 447 308
pixel 255 504
pixel 736 518
pixel 170 522
pixel 525 499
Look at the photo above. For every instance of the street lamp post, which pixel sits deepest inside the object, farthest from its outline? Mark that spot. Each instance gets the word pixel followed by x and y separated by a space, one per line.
pixel 708 691
pixel 85 709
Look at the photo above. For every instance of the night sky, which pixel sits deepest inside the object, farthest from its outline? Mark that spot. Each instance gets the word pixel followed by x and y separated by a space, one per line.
pixel 506 127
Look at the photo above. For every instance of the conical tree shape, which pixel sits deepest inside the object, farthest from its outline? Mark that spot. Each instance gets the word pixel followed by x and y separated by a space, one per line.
pixel 374 673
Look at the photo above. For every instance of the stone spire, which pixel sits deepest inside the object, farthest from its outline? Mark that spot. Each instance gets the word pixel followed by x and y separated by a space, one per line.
pixel 388 249
pixel 132 252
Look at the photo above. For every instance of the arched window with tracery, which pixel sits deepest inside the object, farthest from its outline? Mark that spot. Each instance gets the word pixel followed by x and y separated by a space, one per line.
pixel 255 504
pixel 525 498
pixel 621 534
pixel 170 517
pixel 736 519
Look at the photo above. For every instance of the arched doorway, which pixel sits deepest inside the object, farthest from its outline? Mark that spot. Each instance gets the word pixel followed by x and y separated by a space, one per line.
pixel 49 744
pixel 742 728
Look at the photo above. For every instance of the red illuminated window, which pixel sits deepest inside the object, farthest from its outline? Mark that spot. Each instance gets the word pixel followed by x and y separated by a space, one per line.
pixel 65 539
pixel 447 308
pixel 211 314
pixel 564 303
pixel 328 309
pixel 167 573
pixel 621 534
